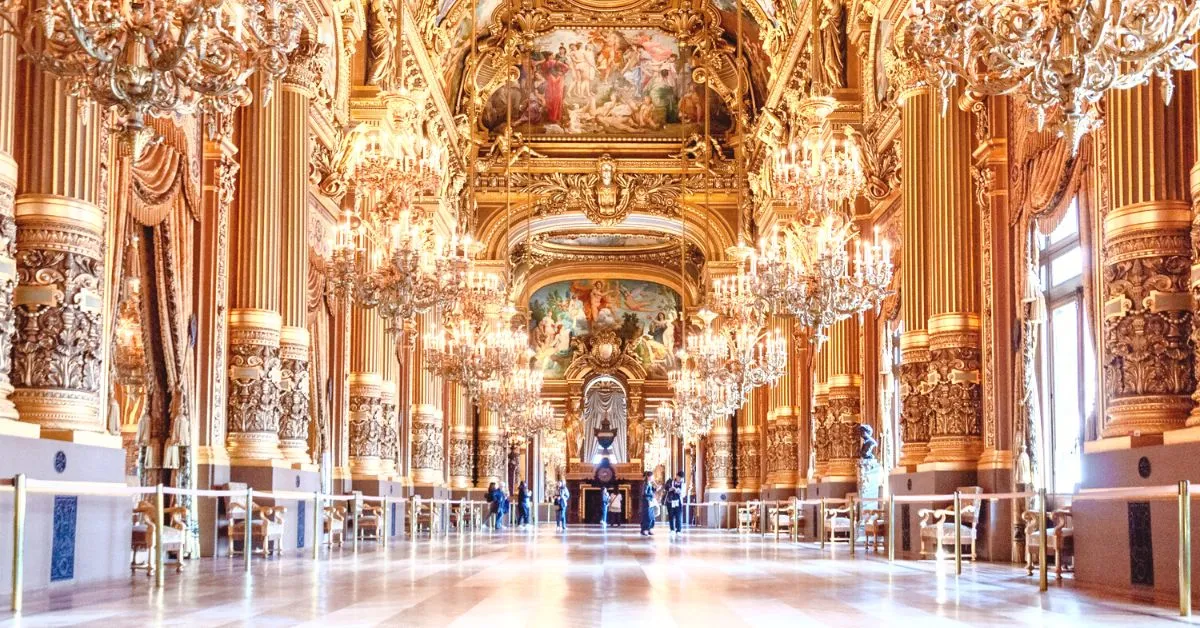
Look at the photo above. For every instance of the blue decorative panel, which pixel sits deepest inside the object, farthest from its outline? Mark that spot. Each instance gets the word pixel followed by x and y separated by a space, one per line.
pixel 301 521
pixel 392 519
pixel 60 462
pixel 905 528
pixel 62 556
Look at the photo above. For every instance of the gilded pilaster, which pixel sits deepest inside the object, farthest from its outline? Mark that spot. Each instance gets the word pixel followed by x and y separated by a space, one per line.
pixel 718 456
pixel 428 439
pixel 366 402
pixel 953 382
pixel 57 351
pixel 916 111
pixel 1147 315
pixel 304 74
pixel 844 409
pixel 749 457
pixel 493 452
pixel 460 438
pixel 254 321
pixel 8 234
pixel 782 456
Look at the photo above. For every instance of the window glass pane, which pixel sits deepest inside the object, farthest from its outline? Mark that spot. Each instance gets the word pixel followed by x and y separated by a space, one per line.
pixel 1069 226
pixel 1066 266
pixel 1067 420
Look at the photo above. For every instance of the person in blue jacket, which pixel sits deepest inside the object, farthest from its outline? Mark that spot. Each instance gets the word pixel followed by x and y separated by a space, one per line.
pixel 648 495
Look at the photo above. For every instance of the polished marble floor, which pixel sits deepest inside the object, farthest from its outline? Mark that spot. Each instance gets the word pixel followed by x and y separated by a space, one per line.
pixel 587 577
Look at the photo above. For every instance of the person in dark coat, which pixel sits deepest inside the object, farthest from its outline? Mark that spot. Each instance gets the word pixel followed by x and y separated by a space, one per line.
pixel 605 500
pixel 561 499
pixel 493 501
pixel 502 500
pixel 524 502
pixel 648 494
pixel 675 495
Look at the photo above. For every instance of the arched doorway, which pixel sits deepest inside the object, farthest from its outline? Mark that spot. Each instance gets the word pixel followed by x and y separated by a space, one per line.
pixel 605 411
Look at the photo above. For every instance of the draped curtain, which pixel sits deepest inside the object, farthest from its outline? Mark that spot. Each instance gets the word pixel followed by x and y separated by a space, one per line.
pixel 1045 179
pixel 605 399
pixel 320 408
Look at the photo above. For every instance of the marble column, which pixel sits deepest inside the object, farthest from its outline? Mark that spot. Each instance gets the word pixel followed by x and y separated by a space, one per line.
pixel 718 456
pixel 461 439
pixel 366 397
pixel 955 395
pixel 428 448
pixel 8 234
pixel 57 352
pixel 254 321
pixel 304 74
pixel 916 111
pixel 844 409
pixel 1148 376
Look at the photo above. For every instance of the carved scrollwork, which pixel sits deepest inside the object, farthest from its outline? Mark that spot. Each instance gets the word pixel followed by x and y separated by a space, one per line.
pixel 58 309
pixel 389 445
pixel 366 426
pixel 427 445
pixel 254 375
pixel 606 197
pixel 821 434
pixel 294 394
pixel 781 448
pixel 749 462
pixel 493 458
pixel 955 396
pixel 842 416
pixel 8 280
pixel 914 400
pixel 718 463
pixel 460 456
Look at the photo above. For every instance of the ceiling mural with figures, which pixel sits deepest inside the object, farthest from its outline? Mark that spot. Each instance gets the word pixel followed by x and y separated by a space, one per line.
pixel 605 81
pixel 564 315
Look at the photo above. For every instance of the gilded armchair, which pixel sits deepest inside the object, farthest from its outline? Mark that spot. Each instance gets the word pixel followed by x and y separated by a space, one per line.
pixel 840 524
pixel 1060 535
pixel 748 516
pixel 424 515
pixel 874 524
pixel 370 521
pixel 938 524
pixel 783 517
pixel 266 527
pixel 335 525
pixel 145 536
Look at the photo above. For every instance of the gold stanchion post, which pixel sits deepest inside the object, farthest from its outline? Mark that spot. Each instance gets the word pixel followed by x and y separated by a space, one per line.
pixel 318 533
pixel 159 552
pixel 821 522
pixel 891 529
pixel 1185 548
pixel 1043 584
pixel 957 533
pixel 248 538
pixel 18 560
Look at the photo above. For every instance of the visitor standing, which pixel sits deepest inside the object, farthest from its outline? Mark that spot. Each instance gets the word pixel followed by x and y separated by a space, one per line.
pixel 502 500
pixel 524 502
pixel 675 495
pixel 560 501
pixel 605 501
pixel 616 509
pixel 648 494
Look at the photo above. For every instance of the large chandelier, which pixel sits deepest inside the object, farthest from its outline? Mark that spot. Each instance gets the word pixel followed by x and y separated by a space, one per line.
pixel 471 355
pixel 806 267
pixel 158 58
pixel 531 421
pixel 516 393
pixel 1060 56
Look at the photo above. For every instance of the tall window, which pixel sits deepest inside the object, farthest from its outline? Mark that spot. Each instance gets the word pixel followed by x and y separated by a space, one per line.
pixel 1067 361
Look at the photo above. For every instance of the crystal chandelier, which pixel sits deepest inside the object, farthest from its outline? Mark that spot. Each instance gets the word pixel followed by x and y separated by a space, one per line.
pixel 158 58
pixel 516 393
pixel 471 354
pixel 805 267
pixel 532 421
pixel 1058 56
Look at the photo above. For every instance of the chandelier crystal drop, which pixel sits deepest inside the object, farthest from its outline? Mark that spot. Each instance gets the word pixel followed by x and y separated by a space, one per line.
pixel 1060 57
pixel 158 58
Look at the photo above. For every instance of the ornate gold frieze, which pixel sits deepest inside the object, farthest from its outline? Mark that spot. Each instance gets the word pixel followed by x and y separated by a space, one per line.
pixel 427 446
pixel 493 457
pixel 718 461
pixel 8 282
pixel 366 428
pixel 389 446
pixel 842 416
pixel 955 396
pixel 606 196
pixel 460 456
pixel 782 456
pixel 914 398
pixel 749 462
pixel 294 395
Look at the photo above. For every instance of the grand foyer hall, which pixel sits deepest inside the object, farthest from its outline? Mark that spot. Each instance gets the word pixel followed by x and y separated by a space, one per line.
pixel 307 307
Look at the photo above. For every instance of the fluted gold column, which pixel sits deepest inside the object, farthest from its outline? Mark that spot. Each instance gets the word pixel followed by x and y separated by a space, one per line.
pixel 493 452
pixel 844 410
pixel 9 99
pixel 955 400
pixel 254 321
pixel 461 445
pixel 1148 373
pixel 304 70
pixel 718 456
pixel 428 449
pixel 783 463
pixel 820 415
pixel 58 349
pixel 749 457
pixel 916 111
pixel 366 397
